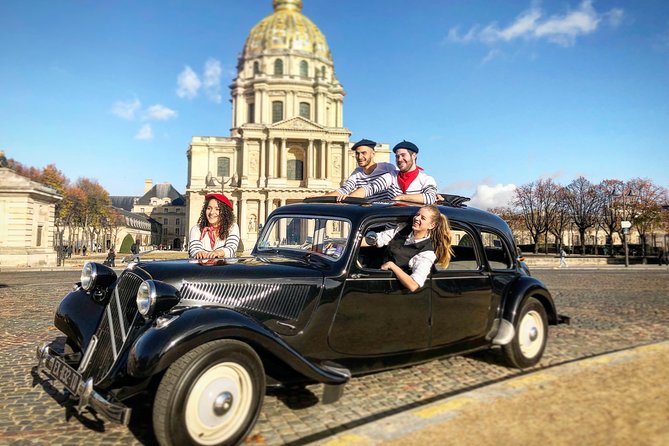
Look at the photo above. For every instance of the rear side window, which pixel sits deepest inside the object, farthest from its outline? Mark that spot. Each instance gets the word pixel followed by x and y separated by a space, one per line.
pixel 464 250
pixel 496 251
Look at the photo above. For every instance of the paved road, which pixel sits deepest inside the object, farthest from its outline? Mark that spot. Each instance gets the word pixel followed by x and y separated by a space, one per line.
pixel 611 310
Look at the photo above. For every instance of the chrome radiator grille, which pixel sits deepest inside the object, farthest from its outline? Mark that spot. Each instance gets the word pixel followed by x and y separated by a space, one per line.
pixel 114 328
pixel 280 300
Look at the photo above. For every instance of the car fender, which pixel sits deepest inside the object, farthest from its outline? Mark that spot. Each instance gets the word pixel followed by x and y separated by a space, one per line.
pixel 520 290
pixel 78 316
pixel 166 341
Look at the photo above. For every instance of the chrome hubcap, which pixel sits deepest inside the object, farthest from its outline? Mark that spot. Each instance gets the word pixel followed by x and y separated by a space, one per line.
pixel 533 334
pixel 223 403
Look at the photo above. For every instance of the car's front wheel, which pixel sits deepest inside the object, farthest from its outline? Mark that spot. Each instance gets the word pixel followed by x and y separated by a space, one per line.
pixel 210 396
pixel 529 341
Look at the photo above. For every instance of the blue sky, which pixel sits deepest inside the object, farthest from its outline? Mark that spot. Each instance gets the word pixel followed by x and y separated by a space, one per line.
pixel 495 93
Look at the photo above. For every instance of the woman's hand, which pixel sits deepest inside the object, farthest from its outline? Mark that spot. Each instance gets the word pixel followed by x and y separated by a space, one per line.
pixel 389 266
pixel 209 254
pixel 404 278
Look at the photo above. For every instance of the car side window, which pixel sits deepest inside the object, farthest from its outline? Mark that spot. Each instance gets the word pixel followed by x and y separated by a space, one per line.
pixel 464 250
pixel 496 251
pixel 371 257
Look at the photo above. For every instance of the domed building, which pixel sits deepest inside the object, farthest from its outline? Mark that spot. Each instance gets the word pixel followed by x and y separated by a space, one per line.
pixel 288 139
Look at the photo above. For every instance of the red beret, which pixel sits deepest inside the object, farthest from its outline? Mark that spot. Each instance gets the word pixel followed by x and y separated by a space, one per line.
pixel 220 197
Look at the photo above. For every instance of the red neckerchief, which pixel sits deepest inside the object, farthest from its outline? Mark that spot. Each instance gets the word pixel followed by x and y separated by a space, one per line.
pixel 404 179
pixel 212 232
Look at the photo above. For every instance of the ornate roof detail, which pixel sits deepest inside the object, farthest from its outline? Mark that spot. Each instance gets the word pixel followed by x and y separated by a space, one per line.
pixel 286 29
pixel 296 123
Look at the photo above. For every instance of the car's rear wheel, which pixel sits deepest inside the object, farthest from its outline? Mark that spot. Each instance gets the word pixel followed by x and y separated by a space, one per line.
pixel 529 341
pixel 210 396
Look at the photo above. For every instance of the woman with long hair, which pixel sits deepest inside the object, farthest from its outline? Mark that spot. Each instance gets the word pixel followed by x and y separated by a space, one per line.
pixel 216 233
pixel 412 250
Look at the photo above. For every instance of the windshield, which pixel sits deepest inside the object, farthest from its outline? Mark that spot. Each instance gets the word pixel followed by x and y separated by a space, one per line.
pixel 323 236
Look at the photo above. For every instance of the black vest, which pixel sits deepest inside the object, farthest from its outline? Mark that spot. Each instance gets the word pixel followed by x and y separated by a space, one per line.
pixel 400 253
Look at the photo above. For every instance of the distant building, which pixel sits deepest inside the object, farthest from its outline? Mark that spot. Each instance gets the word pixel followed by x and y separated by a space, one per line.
pixel 166 209
pixel 288 139
pixel 27 212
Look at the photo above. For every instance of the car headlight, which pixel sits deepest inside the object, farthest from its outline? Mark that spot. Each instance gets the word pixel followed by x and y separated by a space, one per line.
pixel 96 279
pixel 146 298
pixel 88 275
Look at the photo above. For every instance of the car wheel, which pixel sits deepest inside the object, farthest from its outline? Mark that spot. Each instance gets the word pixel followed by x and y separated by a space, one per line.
pixel 529 342
pixel 210 396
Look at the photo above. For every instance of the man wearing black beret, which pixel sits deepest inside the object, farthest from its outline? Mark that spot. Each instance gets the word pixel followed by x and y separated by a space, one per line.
pixel 409 183
pixel 366 172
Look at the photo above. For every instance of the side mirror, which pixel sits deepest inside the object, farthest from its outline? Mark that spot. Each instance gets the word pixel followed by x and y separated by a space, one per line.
pixel 370 238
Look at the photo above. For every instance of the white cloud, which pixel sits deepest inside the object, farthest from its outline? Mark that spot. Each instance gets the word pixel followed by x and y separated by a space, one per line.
pixel 126 109
pixel 145 133
pixel 160 113
pixel 212 79
pixel 487 197
pixel 532 25
pixel 188 83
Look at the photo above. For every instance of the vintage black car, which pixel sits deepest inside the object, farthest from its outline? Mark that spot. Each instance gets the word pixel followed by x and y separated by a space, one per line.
pixel 310 305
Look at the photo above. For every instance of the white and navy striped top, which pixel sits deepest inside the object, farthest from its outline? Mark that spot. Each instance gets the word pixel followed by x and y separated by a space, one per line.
pixel 359 178
pixel 423 184
pixel 229 245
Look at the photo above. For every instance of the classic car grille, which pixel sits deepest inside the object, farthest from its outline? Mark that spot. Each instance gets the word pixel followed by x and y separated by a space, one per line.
pixel 280 300
pixel 114 327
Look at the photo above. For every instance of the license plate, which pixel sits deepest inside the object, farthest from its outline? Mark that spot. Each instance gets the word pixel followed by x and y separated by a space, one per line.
pixel 60 370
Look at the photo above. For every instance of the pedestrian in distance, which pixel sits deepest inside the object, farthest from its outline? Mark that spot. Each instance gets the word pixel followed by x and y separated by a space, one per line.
pixel 563 256
pixel 111 258
pixel 216 234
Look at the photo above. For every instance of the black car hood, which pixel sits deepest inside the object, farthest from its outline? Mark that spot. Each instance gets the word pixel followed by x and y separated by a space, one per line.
pixel 244 269
pixel 278 291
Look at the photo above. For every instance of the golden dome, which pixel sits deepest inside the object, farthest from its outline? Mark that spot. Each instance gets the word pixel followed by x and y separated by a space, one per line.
pixel 286 29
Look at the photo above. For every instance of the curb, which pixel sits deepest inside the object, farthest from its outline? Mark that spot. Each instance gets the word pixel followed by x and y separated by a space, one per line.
pixel 411 421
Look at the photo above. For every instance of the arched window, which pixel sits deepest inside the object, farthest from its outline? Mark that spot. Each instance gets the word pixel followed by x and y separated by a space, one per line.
pixel 278 67
pixel 252 113
pixel 304 69
pixel 256 68
pixel 305 110
pixel 277 111
pixel 322 72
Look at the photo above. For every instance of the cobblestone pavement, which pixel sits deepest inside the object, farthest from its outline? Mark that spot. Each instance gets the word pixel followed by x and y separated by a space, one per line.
pixel 610 310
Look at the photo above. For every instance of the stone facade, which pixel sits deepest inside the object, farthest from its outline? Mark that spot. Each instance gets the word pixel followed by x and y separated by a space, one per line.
pixel 167 207
pixel 287 140
pixel 27 212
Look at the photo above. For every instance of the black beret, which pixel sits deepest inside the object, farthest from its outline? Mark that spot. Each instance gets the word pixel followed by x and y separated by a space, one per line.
pixel 406 145
pixel 364 142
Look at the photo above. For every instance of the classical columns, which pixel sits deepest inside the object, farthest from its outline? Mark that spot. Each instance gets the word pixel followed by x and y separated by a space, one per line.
pixel 308 160
pixel 282 159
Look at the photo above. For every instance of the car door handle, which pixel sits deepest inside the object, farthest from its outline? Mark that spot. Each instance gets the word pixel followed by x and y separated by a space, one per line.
pixel 358 275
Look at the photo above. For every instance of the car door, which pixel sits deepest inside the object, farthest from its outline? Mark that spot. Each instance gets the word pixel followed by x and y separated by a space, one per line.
pixel 376 314
pixel 462 296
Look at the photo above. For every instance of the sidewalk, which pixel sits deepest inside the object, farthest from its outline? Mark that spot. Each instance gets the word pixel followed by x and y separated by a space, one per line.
pixel 615 399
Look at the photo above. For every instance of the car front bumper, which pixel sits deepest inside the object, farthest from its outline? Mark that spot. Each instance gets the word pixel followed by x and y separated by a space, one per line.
pixel 53 365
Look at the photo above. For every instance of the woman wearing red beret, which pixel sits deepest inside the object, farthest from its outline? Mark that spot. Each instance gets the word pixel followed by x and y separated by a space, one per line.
pixel 216 233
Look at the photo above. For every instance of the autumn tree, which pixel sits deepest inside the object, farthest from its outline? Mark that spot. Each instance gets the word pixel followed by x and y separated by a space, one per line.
pixel 559 218
pixel 609 218
pixel 95 204
pixel 536 201
pixel 584 205
pixel 646 208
